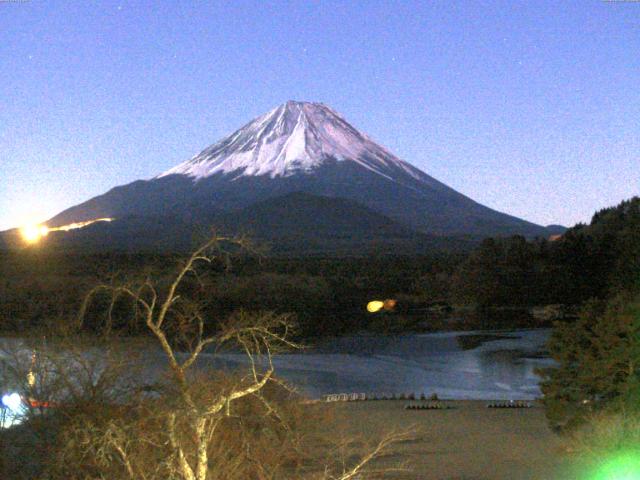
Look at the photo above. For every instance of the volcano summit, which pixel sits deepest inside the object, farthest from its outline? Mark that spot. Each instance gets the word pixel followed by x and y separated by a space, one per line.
pixel 299 147
pixel 296 137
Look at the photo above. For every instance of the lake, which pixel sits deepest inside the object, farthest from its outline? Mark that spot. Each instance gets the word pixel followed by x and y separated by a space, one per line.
pixel 456 365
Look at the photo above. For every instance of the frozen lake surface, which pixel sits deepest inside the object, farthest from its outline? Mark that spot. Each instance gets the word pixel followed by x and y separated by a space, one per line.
pixel 456 365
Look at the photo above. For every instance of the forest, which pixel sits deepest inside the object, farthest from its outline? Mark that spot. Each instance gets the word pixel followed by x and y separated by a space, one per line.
pixel 328 295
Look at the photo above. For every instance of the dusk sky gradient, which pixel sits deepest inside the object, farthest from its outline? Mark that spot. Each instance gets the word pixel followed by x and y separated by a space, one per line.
pixel 531 108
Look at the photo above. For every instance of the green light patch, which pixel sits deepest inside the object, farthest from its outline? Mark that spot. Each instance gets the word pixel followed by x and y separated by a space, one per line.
pixel 622 466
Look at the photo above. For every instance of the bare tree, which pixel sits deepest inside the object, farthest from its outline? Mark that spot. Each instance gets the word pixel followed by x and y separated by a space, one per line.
pixel 197 425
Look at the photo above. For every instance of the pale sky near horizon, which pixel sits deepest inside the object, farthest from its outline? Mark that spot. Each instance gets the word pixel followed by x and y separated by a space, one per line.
pixel 531 108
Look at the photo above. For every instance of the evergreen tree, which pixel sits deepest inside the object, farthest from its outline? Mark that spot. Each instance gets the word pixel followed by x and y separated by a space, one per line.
pixel 598 362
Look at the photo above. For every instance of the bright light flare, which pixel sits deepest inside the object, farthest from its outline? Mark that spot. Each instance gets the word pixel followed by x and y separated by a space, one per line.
pixel 375 306
pixel 73 226
pixel 389 304
pixel 12 411
pixel 34 233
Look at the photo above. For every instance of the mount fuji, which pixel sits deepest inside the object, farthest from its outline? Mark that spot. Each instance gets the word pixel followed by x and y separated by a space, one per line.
pixel 308 149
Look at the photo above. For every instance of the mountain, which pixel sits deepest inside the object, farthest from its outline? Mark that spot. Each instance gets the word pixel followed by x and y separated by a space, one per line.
pixel 299 147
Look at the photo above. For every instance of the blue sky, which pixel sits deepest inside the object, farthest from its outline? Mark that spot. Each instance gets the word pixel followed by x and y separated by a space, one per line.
pixel 532 108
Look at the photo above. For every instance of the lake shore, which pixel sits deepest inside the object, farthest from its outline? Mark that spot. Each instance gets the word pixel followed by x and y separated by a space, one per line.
pixel 466 442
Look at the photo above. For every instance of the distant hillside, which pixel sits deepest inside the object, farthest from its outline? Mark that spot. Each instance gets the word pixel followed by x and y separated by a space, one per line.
pixel 303 223
pixel 555 230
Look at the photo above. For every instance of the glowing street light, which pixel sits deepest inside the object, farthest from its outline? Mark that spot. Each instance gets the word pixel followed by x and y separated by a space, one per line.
pixel 377 305
pixel 12 401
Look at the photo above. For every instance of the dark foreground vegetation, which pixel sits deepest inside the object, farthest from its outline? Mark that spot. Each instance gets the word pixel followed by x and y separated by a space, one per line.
pixel 328 296
pixel 101 406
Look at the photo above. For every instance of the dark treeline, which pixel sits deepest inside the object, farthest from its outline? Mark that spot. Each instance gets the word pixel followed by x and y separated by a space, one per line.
pixel 587 261
pixel 328 296
pixel 597 378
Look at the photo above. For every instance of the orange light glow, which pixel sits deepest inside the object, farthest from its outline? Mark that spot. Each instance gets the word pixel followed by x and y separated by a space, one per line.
pixel 389 304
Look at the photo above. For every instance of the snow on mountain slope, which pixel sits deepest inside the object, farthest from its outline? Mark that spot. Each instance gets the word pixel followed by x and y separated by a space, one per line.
pixel 295 137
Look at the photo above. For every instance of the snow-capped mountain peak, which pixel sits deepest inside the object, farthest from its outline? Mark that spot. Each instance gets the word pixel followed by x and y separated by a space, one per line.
pixel 304 148
pixel 295 137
